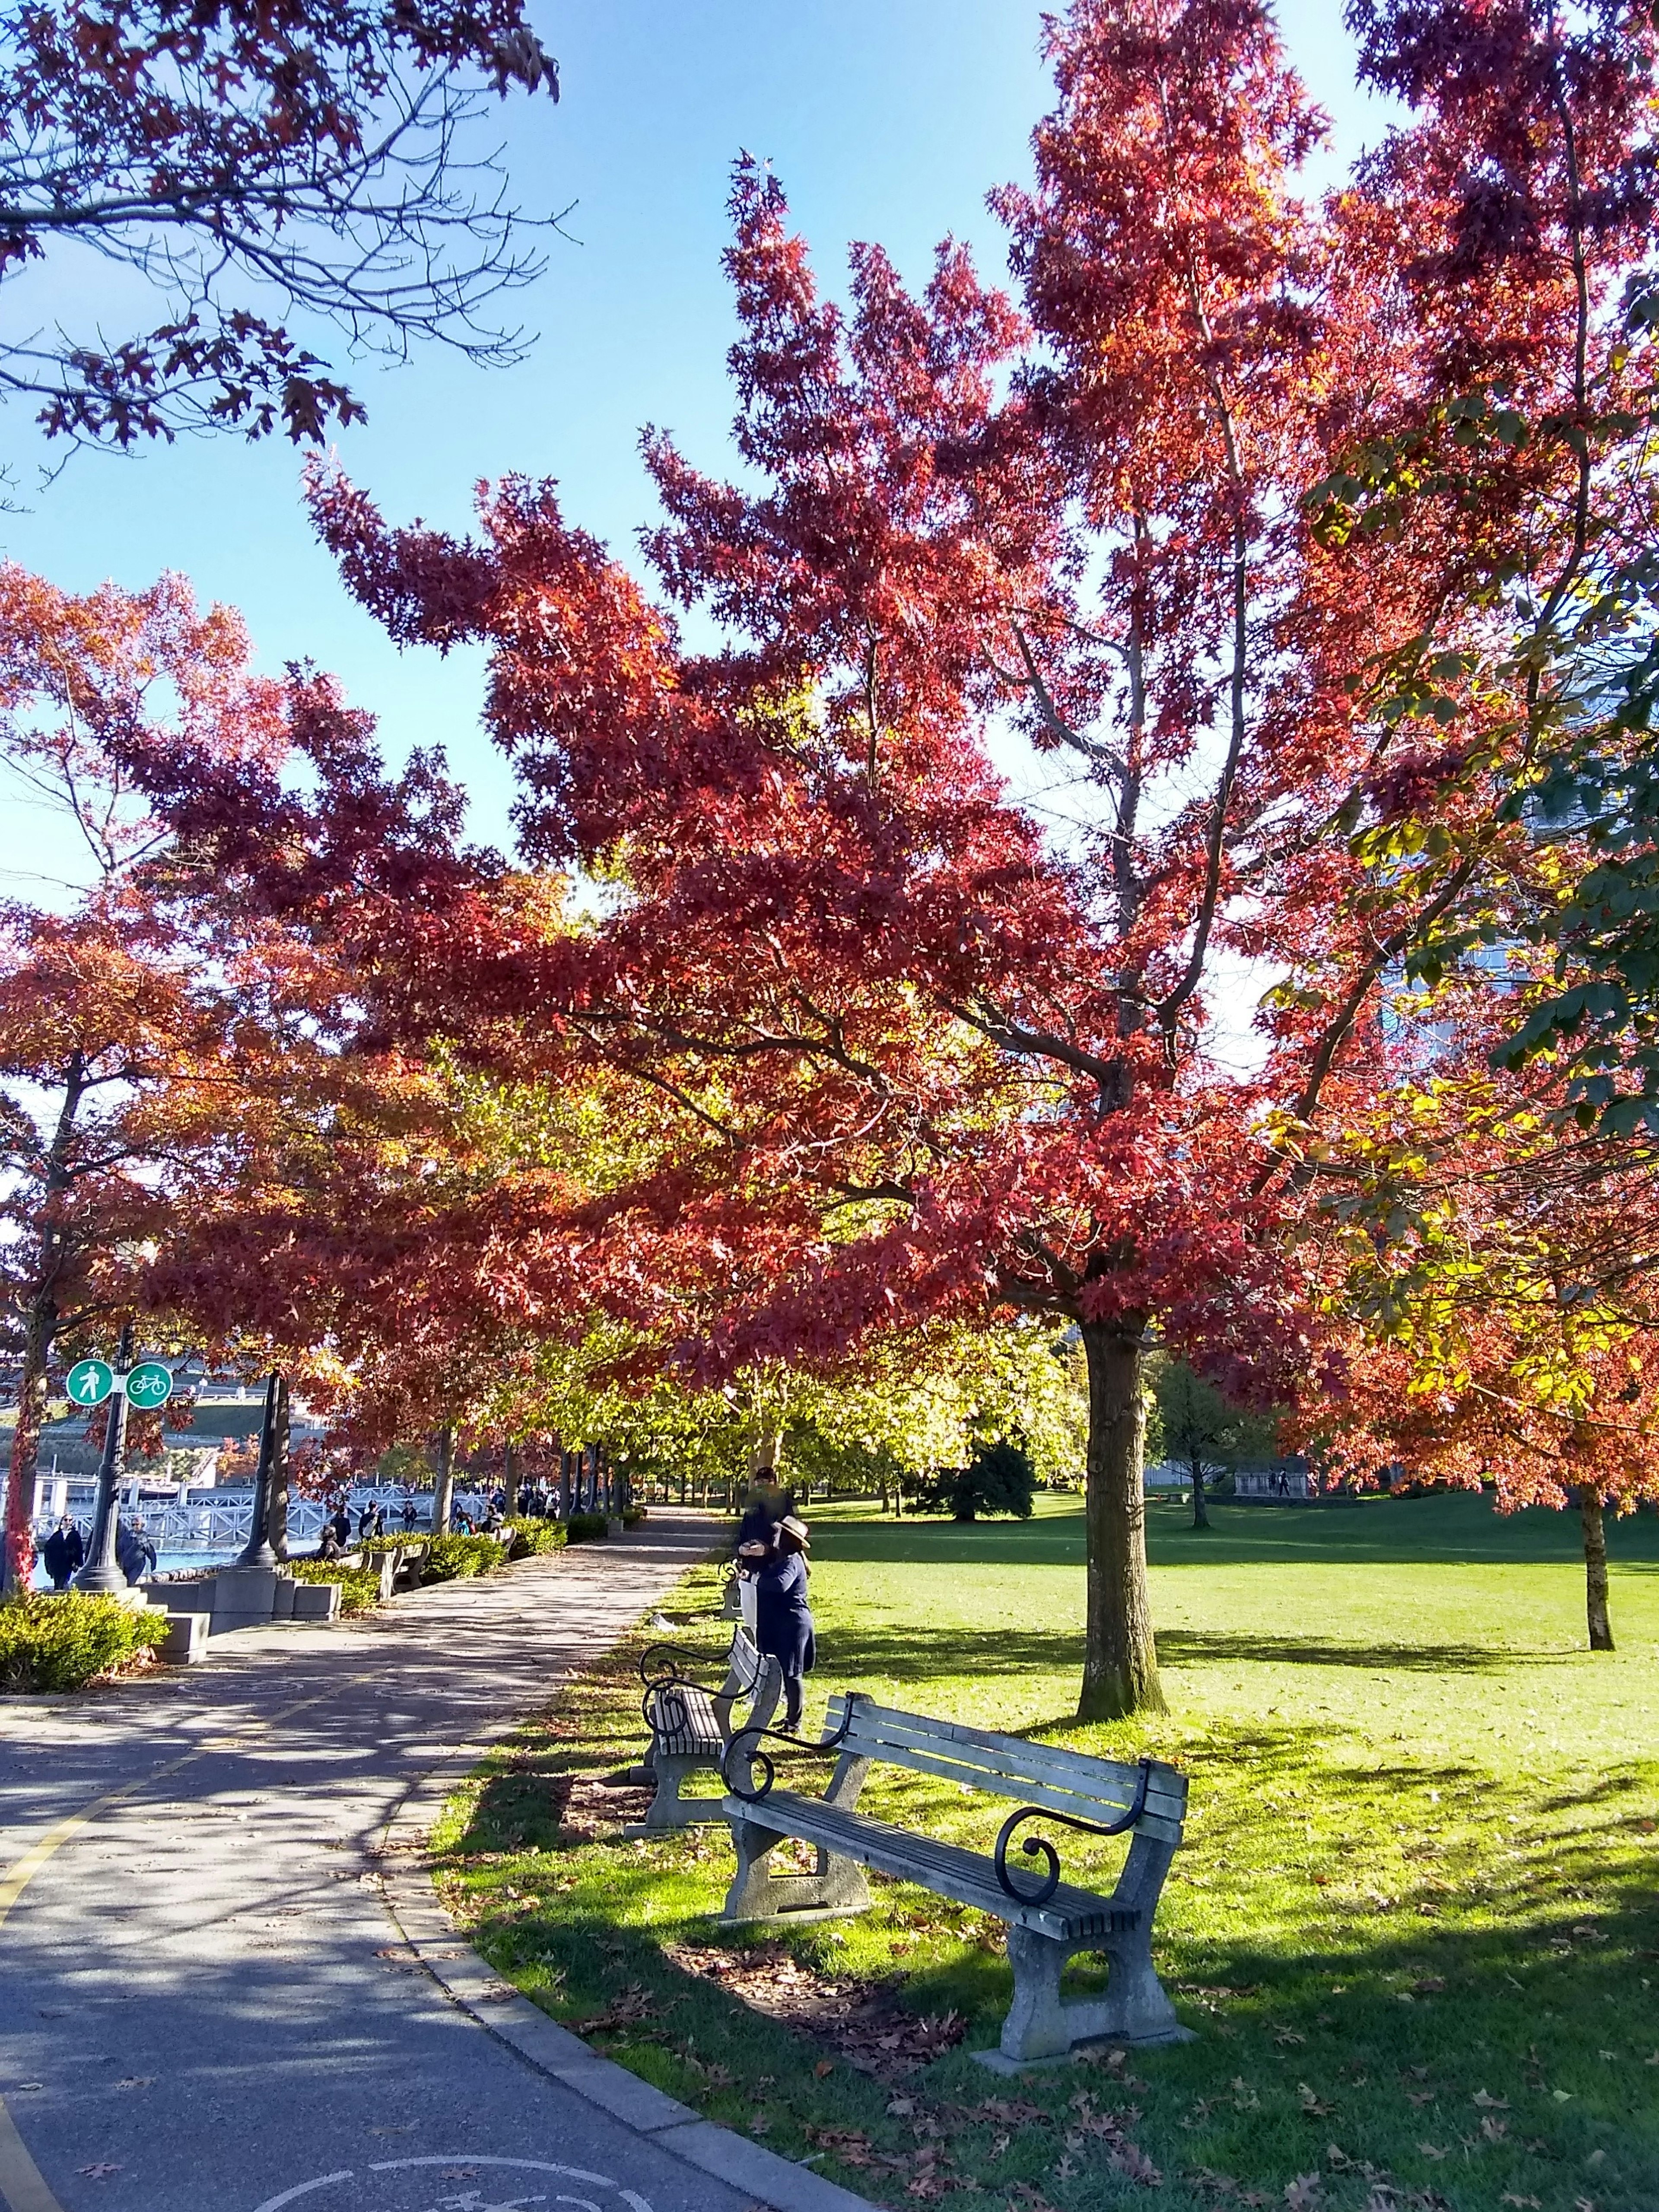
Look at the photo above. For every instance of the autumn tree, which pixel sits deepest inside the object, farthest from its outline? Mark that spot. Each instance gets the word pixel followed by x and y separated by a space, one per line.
pixel 842 953
pixel 116 1048
pixel 262 170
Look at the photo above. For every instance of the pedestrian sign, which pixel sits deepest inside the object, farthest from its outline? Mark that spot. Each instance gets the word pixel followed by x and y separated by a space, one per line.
pixel 89 1381
pixel 149 1385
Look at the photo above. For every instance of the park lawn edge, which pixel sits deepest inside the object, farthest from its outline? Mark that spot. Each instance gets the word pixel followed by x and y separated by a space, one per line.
pixel 1372 2063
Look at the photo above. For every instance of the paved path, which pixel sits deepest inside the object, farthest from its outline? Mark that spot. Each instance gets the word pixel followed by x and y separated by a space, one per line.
pixel 204 2003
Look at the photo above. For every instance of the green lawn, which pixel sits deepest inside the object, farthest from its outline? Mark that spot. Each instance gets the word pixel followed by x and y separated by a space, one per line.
pixel 1414 1924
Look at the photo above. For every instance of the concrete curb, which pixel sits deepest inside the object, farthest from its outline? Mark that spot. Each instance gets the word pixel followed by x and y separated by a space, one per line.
pixel 470 1983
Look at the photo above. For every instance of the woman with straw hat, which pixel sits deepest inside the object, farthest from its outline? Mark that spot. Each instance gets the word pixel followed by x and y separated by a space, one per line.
pixel 783 1618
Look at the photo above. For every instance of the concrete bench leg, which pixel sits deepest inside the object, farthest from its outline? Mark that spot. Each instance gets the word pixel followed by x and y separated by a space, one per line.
pixel 837 1887
pixel 1042 2024
pixel 669 1808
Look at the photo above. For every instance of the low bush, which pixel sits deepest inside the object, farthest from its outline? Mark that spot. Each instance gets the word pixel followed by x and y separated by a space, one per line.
pixel 360 1586
pixel 372 1546
pixel 632 1515
pixel 61 1640
pixel 586 1527
pixel 531 1537
pixel 451 1558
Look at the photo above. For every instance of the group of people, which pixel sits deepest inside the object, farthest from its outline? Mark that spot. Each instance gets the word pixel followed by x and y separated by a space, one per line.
pixel 64 1552
pixel 772 1544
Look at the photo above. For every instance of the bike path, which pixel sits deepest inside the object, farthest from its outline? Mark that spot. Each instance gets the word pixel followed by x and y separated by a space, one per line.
pixel 204 2002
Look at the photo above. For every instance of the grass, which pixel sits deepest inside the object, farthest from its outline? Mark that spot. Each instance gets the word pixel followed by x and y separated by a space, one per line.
pixel 1415 1922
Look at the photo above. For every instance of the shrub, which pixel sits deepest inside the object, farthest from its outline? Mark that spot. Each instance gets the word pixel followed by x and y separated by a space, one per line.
pixel 52 1640
pixel 372 1547
pixel 999 1479
pixel 587 1529
pixel 450 1558
pixel 632 1515
pixel 531 1538
pixel 360 1586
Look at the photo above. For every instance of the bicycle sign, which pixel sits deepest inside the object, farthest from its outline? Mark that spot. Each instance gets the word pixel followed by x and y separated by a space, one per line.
pixel 89 1381
pixel 149 1385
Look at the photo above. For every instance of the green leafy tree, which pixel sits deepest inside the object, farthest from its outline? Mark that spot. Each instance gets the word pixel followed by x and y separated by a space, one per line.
pixel 1210 1436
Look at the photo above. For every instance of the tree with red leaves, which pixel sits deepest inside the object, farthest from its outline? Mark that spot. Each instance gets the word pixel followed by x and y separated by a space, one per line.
pixel 920 1057
pixel 116 1048
pixel 325 160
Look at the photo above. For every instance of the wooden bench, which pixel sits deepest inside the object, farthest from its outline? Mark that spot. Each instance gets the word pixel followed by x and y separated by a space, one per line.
pixel 690 1724
pixel 1048 1920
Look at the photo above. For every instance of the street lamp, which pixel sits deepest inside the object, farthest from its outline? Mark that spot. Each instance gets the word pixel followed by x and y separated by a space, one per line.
pixel 102 1571
pixel 257 1552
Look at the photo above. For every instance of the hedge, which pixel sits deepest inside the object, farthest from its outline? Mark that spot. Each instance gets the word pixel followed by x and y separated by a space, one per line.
pixel 632 1515
pixel 531 1537
pixel 60 1640
pixel 449 1558
pixel 586 1528
pixel 360 1586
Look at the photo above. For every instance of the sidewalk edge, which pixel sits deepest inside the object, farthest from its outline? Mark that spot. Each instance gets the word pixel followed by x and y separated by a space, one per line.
pixel 473 1986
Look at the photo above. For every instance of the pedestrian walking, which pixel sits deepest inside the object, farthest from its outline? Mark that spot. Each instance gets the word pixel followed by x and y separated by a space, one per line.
pixel 341 1524
pixel 783 1618
pixel 63 1552
pixel 366 1521
pixel 135 1554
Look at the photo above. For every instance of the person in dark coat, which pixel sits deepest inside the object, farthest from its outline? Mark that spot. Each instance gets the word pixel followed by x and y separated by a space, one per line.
pixel 783 1618
pixel 341 1524
pixel 135 1554
pixel 63 1552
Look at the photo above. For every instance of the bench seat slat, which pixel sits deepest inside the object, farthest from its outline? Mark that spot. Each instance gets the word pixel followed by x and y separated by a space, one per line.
pixel 1071 1914
pixel 698 1736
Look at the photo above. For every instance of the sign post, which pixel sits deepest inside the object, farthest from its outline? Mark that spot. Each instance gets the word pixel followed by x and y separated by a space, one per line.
pixel 101 1573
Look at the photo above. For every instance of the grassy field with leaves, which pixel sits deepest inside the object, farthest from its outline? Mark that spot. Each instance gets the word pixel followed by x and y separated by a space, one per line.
pixel 1415 1922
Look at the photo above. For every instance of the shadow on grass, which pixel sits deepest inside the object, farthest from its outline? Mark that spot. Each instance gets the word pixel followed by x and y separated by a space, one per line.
pixel 889 1654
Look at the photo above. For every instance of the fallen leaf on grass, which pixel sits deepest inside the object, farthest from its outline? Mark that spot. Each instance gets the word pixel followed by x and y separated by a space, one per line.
pixel 1420 2096
pixel 1434 2150
pixel 1288 2035
pixel 824 2066
pixel 1494 2130
pixel 1130 2159
pixel 1303 2194
pixel 98 2172
pixel 1312 2104
pixel 1488 2103
pixel 1527 2203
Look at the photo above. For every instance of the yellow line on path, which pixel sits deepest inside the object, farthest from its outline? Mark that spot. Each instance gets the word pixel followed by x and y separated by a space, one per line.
pixel 22 2186
pixel 22 2182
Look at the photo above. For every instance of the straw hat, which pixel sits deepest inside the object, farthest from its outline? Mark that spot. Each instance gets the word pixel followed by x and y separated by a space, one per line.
pixel 789 1526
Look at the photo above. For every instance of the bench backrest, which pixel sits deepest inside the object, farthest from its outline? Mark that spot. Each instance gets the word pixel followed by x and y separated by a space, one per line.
pixel 744 1662
pixel 1097 1789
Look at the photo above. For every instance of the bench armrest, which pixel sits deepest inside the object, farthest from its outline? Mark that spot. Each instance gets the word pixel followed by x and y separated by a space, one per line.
pixel 1035 1846
pixel 743 1750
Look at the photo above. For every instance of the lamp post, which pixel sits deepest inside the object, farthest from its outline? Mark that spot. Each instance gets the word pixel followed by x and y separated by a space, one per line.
pixel 257 1552
pixel 102 1571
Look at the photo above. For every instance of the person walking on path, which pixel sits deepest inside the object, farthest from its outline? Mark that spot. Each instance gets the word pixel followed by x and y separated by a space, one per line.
pixel 783 1618
pixel 135 1554
pixel 63 1552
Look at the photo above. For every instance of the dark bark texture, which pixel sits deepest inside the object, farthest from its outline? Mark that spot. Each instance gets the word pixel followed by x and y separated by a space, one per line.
pixel 1596 1570
pixel 1119 1665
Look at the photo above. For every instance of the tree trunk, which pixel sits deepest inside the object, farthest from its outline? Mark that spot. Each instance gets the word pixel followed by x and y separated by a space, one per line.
pixel 17 1564
pixel 1120 1663
pixel 1200 1509
pixel 1595 1569
pixel 17 1555
pixel 276 1513
pixel 443 1488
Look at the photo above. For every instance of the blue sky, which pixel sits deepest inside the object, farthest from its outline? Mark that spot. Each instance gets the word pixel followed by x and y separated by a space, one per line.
pixel 886 118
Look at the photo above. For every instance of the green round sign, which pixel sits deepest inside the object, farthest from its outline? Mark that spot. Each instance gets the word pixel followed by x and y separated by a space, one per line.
pixel 149 1385
pixel 89 1381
